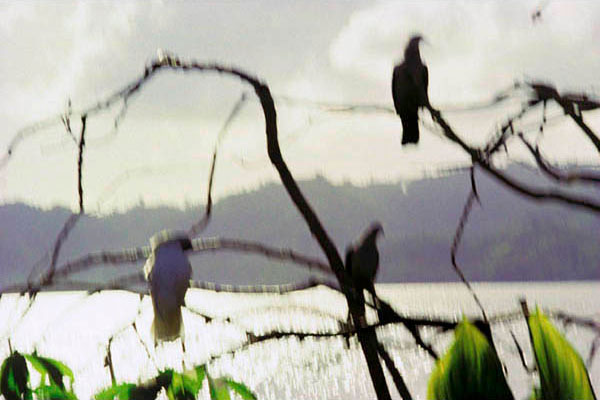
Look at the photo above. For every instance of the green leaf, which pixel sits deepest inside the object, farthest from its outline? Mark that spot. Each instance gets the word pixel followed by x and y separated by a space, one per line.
pixel 182 387
pixel 562 372
pixel 14 378
pixel 129 391
pixel 120 392
pixel 240 389
pixel 470 369
pixel 200 374
pixel 53 392
pixel 218 389
pixel 56 370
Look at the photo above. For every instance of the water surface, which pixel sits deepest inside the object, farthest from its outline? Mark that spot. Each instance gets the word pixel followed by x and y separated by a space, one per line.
pixel 75 328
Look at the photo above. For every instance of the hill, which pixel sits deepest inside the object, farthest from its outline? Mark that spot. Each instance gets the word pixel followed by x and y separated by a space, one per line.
pixel 509 238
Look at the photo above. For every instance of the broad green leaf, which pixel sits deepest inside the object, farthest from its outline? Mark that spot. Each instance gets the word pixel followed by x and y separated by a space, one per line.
pixel 200 374
pixel 129 391
pixel 469 370
pixel 240 389
pixel 218 389
pixel 14 378
pixel 53 392
pixel 120 392
pixel 56 370
pixel 182 387
pixel 562 372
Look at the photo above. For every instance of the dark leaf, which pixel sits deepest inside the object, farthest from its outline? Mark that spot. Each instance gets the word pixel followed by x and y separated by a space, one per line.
pixel 129 391
pixel 56 370
pixel 14 378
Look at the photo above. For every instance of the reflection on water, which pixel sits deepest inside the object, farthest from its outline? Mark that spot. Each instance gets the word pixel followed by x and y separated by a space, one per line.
pixel 75 328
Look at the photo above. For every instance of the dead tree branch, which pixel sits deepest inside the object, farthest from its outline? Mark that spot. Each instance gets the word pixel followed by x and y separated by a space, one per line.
pixel 396 376
pixel 555 173
pixel 456 242
pixel 279 289
pixel 478 157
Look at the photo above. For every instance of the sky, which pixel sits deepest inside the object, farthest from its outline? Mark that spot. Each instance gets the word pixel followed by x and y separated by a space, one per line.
pixel 58 52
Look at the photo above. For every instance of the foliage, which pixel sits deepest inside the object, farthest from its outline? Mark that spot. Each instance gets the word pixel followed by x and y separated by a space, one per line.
pixel 14 378
pixel 178 386
pixel 15 381
pixel 562 372
pixel 469 370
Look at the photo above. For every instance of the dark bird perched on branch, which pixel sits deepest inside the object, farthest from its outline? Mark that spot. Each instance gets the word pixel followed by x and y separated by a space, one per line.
pixel 362 261
pixel 168 272
pixel 409 90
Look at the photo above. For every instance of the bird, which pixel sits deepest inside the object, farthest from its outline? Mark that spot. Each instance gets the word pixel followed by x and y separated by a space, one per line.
pixel 409 90
pixel 168 272
pixel 362 261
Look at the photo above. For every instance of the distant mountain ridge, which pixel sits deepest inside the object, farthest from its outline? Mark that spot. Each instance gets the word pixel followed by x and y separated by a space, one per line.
pixel 507 239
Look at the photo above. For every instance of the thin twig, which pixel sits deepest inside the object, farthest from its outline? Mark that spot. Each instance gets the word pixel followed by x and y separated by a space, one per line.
pixel 555 173
pixel 199 226
pixel 456 242
pixel 212 244
pixel 279 289
pixel 396 376
pixel 521 354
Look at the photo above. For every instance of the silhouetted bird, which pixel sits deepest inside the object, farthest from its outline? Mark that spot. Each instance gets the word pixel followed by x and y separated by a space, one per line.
pixel 168 272
pixel 362 260
pixel 409 90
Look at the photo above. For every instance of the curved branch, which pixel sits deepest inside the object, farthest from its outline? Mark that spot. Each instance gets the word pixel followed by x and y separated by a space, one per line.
pixel 479 158
pixel 133 255
pixel 554 172
pixel 279 289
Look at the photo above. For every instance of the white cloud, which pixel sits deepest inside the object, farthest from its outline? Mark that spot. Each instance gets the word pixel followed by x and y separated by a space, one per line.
pixel 475 47
pixel 315 50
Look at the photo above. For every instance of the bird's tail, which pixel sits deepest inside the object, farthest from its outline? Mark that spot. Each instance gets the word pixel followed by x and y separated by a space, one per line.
pixel 167 327
pixel 410 127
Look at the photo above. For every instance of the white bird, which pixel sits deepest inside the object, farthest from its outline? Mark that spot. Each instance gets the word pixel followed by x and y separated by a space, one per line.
pixel 168 272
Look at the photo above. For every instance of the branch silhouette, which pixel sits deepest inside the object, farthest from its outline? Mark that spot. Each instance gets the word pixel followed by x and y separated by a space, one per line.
pixel 572 105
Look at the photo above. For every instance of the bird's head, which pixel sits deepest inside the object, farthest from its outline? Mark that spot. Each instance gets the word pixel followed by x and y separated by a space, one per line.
pixel 374 230
pixel 186 243
pixel 412 47
pixel 168 236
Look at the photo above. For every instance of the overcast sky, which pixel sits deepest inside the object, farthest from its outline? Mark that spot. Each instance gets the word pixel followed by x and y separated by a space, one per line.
pixel 339 51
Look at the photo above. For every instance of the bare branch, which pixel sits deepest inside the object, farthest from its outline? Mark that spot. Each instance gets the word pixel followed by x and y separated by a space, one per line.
pixel 573 319
pixel 280 289
pixel 572 104
pixel 133 255
pixel 212 244
pixel 456 242
pixel 80 163
pixel 396 376
pixel 554 172
pixel 534 193
pixel 47 277
pixel 593 349
pixel 521 354
pixel 201 225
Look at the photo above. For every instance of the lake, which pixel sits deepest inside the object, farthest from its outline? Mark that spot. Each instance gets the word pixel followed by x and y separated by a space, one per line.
pixel 74 328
